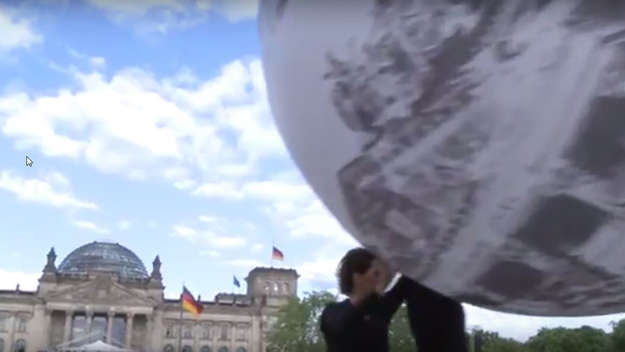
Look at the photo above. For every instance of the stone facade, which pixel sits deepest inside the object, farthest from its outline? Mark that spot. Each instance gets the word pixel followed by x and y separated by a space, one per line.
pixel 74 307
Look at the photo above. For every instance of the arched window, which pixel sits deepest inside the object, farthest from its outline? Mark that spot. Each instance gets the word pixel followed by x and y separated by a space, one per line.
pixel 286 288
pixel 205 349
pixel 168 348
pixel 241 349
pixel 20 346
pixel 1 345
pixel 223 349
pixel 275 287
pixel 187 348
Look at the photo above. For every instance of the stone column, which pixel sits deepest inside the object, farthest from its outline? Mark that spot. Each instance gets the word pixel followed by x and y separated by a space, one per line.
pixel 110 317
pixel 233 333
pixel 12 328
pixel 48 325
pixel 69 315
pixel 89 318
pixel 149 327
pixel 129 318
pixel 196 331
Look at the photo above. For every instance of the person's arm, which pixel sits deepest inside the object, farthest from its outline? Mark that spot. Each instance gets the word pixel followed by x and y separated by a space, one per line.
pixel 337 319
pixel 394 297
pixel 437 322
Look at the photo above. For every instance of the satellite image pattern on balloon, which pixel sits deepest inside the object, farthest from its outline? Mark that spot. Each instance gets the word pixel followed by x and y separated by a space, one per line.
pixel 492 159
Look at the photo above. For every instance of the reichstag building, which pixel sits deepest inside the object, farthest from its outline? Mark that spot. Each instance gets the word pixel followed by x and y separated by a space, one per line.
pixel 101 297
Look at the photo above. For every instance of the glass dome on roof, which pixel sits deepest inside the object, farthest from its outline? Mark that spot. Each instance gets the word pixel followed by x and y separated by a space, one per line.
pixel 104 256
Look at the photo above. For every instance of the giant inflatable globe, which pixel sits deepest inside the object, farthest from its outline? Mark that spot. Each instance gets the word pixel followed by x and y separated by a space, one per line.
pixel 478 146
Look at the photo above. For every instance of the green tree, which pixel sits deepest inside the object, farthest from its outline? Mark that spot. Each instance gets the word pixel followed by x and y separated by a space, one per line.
pixel 492 342
pixel 618 336
pixel 504 345
pixel 584 339
pixel 400 336
pixel 485 337
pixel 296 328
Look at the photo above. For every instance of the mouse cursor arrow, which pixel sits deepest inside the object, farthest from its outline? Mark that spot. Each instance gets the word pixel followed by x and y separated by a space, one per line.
pixel 29 161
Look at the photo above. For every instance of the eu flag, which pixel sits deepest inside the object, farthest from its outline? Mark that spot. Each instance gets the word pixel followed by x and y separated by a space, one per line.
pixel 236 282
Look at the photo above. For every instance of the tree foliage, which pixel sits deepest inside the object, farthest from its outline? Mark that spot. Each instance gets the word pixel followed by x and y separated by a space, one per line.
pixel 400 337
pixel 492 342
pixel 584 339
pixel 617 337
pixel 297 329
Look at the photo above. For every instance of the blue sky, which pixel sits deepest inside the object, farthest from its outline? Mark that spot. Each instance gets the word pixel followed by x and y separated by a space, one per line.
pixel 149 125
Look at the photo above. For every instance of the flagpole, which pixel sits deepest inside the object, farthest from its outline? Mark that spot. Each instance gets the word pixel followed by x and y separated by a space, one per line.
pixel 272 247
pixel 180 323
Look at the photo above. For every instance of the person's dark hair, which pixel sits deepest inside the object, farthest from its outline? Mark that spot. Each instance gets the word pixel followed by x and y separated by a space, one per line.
pixel 357 260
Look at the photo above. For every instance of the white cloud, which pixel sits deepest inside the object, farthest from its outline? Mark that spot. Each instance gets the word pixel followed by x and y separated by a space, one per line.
pixel 163 15
pixel 235 170
pixel 315 220
pixel 207 238
pixel 223 190
pixel 207 219
pixel 123 225
pixel 185 185
pixel 88 225
pixel 184 76
pixel 136 8
pixel 211 253
pixel 57 179
pixel 257 247
pixel 321 269
pixel 239 10
pixel 226 241
pixel 244 263
pixel 96 62
pixel 290 203
pixel 175 132
pixel 27 281
pixel 270 190
pixel 16 33
pixel 185 232
pixel 42 192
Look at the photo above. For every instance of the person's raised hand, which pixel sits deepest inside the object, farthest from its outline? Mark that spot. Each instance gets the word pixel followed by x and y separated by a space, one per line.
pixel 364 285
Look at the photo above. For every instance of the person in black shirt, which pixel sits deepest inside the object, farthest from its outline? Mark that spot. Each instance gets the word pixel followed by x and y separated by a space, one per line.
pixel 361 322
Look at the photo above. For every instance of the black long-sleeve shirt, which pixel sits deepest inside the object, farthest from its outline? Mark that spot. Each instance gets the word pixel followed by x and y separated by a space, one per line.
pixel 436 321
pixel 364 327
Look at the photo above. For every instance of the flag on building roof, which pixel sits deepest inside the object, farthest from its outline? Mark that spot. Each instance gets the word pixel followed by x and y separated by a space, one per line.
pixel 236 282
pixel 189 303
pixel 277 254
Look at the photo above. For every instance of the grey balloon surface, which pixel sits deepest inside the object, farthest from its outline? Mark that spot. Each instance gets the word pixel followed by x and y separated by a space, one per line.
pixel 478 146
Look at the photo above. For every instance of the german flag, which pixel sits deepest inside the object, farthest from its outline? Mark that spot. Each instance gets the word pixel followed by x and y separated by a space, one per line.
pixel 277 254
pixel 189 303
